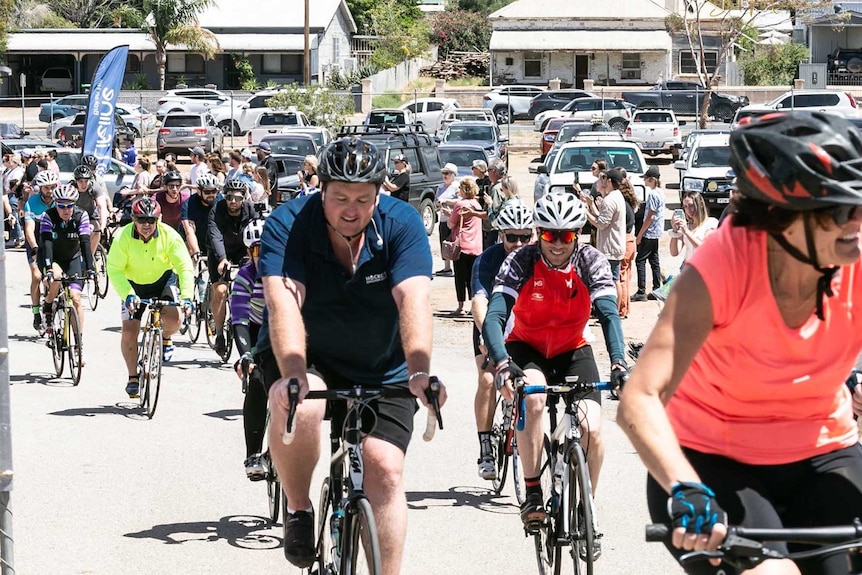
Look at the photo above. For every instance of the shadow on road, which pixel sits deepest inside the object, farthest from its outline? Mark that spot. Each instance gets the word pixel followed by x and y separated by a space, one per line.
pixel 130 410
pixel 196 363
pixel 480 498
pixel 47 379
pixel 27 337
pixel 243 531
pixel 226 414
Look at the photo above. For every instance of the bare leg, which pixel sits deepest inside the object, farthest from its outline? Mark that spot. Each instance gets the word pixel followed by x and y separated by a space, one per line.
pixel 384 486
pixel 129 345
pixel 530 439
pixel 170 322
pixel 219 298
pixel 484 403
pixel 591 428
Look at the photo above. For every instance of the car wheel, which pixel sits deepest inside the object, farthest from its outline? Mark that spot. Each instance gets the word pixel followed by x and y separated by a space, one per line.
pixel 618 125
pixel 503 114
pixel 426 212
pixel 225 126
pixel 723 113
pixel 135 132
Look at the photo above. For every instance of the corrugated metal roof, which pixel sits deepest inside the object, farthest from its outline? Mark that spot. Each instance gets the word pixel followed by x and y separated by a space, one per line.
pixel 583 9
pixel 582 40
pixel 271 14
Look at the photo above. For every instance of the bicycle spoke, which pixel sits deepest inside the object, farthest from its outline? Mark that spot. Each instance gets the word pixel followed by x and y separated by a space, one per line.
pixel 581 517
pixel 544 540
pixel 154 375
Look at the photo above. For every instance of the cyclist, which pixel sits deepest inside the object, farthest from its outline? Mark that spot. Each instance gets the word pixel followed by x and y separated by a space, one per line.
pixel 171 199
pixel 196 212
pixel 515 223
pixel 227 220
pixel 346 275
pixel 92 162
pixel 738 404
pixel 148 259
pixel 550 287
pixel 246 306
pixel 46 181
pixel 94 201
pixel 65 233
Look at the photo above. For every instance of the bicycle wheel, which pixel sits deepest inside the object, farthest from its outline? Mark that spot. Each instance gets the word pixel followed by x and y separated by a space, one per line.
pixel 74 346
pixel 227 331
pixel 144 365
pixel 580 509
pixel 545 539
pixel 101 261
pixel 55 341
pixel 499 440
pixel 360 547
pixel 154 372
pixel 273 487
pixel 516 471
pixel 209 319
pixel 90 290
pixel 325 544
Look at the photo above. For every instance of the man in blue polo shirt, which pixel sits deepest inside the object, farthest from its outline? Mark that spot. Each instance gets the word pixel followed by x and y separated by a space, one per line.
pixel 346 274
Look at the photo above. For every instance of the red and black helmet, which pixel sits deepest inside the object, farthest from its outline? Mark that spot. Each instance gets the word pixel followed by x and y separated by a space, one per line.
pixel 146 207
pixel 799 161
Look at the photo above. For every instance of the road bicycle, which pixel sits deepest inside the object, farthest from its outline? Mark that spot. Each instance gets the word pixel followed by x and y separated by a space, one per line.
pixel 150 354
pixel 565 479
pixel 96 288
pixel 347 540
pixel 64 333
pixel 227 326
pixel 191 325
pixel 504 447
pixel 743 546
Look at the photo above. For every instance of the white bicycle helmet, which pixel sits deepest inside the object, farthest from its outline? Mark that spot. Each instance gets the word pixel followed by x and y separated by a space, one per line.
pixel 514 216
pixel 207 182
pixel 66 193
pixel 252 232
pixel 46 178
pixel 560 211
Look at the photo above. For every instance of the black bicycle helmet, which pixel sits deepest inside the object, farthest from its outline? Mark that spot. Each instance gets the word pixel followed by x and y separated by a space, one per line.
pixel 351 160
pixel 172 176
pixel 146 207
pixel 83 172
pixel 90 161
pixel 235 185
pixel 800 161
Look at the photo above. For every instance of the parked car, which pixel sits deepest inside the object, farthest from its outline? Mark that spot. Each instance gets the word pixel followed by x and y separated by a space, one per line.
pixel 655 131
pixel 73 131
pixel 291 144
pixel 180 132
pixel 705 170
pixel 510 102
pixel 9 130
pixel 190 100
pixel 319 134
pixel 689 141
pixel 274 122
pixel 573 161
pixel 16 145
pixel 687 98
pixel 393 116
pixel 747 114
pixel 560 130
pixel 420 149
pixel 614 111
pixel 464 115
pixel 555 100
pixel 286 167
pixel 463 156
pixel 118 176
pixel 845 61
pixel 62 107
pixel 430 111
pixel 245 113
pixel 485 134
pixel 834 101
pixel 138 118
pixel 56 81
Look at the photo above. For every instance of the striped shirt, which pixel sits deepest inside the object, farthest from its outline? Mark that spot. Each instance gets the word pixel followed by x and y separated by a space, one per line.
pixel 246 297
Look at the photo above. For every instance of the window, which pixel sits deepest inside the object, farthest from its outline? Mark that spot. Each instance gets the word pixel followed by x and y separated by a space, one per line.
pixel 434 106
pixel 586 105
pixel 432 161
pixel 415 107
pixel 532 64
pixel 809 100
pixel 631 69
pixel 185 63
pixel 133 64
pixel 282 64
pixel 258 102
pixel 687 65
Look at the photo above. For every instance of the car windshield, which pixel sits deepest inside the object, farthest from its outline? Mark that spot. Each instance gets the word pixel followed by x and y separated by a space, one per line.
pixel 316 136
pixel 457 133
pixel 278 120
pixel 580 159
pixel 461 158
pixel 654 117
pixel 294 147
pixel 182 121
pixel 569 131
pixel 711 157
pixel 289 166
pixel 376 118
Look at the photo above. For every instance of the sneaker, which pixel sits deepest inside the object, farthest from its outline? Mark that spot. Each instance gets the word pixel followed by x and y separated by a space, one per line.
pixel 167 350
pixel 533 511
pixel 220 345
pixel 487 468
pixel 37 322
pixel 299 539
pixel 444 272
pixel 132 388
pixel 254 469
pixel 639 296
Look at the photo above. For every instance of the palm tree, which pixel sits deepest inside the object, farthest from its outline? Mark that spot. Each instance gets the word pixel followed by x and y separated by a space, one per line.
pixel 175 22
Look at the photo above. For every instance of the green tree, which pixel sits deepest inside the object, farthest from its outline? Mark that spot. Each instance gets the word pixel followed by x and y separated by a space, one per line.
pixel 322 106
pixel 174 22
pixel 362 9
pixel 6 9
pixel 86 13
pixel 483 7
pixel 399 37
pixel 773 65
pixel 460 30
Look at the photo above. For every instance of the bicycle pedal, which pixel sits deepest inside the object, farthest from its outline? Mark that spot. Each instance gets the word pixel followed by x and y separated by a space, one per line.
pixel 533 528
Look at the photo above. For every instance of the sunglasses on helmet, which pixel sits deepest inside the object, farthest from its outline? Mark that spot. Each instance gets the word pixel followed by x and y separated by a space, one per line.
pixel 565 236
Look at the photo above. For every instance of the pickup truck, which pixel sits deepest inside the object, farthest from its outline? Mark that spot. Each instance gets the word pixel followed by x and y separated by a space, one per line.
pixel 273 122
pixel 655 132
pixel 687 98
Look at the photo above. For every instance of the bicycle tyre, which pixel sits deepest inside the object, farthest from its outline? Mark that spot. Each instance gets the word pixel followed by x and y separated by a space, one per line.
pixel 195 322
pixel 154 373
pixel 325 544
pixel 100 258
pixel 90 290
pixel 581 528
pixel 516 472
pixel 209 319
pixel 74 346
pixel 227 332
pixel 545 539
pixel 499 436
pixel 360 546
pixel 143 367
pixel 273 488
pixel 58 323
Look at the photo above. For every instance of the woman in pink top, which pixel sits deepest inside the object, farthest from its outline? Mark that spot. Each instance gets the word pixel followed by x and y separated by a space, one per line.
pixel 738 406
pixel 466 227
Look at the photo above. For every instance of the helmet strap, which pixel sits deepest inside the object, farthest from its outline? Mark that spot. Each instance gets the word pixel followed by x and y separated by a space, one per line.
pixel 824 283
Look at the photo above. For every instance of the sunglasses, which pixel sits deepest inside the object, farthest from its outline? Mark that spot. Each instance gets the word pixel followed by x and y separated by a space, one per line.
pixel 515 238
pixel 173 186
pixel 234 198
pixel 843 214
pixel 208 192
pixel 565 236
pixel 65 206
pixel 145 221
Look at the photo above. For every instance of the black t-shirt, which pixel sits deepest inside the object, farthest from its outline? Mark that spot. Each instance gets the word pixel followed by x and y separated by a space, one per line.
pixel 639 216
pixel 401 180
pixel 30 171
pixel 630 218
pixel 484 185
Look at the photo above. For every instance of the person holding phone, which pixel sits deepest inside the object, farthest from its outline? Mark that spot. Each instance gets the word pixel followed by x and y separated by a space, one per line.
pixel 609 219
pixel 690 225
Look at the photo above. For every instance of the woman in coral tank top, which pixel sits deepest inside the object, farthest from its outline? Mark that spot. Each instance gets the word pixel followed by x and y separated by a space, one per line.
pixel 738 406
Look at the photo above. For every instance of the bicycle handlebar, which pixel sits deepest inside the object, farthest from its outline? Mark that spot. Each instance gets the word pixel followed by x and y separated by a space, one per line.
pixel 159 303
pixel 572 385
pixel 358 392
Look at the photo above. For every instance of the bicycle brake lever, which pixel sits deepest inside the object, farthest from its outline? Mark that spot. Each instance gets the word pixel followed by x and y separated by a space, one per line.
pixel 435 419
pixel 293 398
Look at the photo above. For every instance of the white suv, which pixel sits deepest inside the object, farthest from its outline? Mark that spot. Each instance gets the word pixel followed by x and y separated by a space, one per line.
pixel 833 101
pixel 573 161
pixel 655 131
pixel 509 102
pixel 245 114
pixel 190 100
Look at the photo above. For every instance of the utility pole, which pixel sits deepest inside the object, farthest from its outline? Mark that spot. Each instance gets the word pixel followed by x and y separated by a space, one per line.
pixel 6 557
pixel 306 69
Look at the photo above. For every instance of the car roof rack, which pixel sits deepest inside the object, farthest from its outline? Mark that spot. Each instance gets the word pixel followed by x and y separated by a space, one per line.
pixel 413 132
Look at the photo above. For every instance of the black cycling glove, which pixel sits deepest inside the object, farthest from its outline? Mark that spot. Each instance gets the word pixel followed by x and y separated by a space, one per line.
pixel 619 377
pixel 693 507
pixel 507 370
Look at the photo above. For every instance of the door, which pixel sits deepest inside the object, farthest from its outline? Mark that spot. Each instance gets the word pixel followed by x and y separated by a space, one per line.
pixel 582 70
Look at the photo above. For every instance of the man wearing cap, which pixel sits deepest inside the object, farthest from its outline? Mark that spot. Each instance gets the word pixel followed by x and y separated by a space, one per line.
pixel 234 160
pixel 398 185
pixel 199 165
pixel 447 195
pixel 649 234
pixel 130 154
pixel 265 159
pixel 609 219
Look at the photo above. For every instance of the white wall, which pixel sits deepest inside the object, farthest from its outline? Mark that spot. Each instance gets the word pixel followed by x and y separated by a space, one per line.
pixel 335 42
pixel 561 64
pixel 397 77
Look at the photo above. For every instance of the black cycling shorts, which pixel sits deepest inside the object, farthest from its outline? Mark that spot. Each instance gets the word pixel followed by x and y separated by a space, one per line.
pixel 164 288
pixel 394 416
pixel 579 362
pixel 822 491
